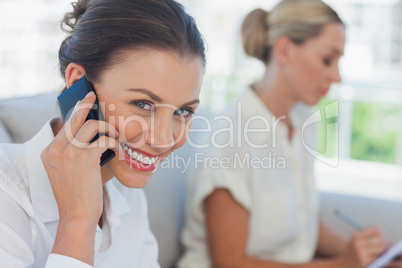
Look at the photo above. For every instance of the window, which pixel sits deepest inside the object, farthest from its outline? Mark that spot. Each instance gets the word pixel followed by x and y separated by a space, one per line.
pixel 30 36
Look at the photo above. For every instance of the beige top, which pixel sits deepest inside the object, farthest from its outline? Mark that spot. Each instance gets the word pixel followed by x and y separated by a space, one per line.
pixel 268 175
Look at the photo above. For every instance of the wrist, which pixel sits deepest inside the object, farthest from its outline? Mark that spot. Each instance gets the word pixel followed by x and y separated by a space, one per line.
pixel 75 238
pixel 77 224
pixel 78 219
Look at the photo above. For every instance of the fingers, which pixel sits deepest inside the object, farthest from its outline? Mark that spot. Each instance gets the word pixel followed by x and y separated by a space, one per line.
pixel 371 232
pixel 99 146
pixel 396 263
pixel 93 127
pixel 368 244
pixel 79 114
pixel 79 132
pixel 373 240
pixel 104 143
pixel 75 122
pixel 371 236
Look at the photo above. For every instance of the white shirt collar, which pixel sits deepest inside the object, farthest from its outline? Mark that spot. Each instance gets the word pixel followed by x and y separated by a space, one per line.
pixel 253 105
pixel 118 205
pixel 41 192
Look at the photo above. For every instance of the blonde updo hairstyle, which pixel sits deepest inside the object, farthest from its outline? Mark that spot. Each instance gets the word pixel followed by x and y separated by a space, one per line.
pixel 299 20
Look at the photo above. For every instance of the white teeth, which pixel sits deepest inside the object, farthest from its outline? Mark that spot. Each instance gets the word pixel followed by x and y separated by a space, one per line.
pixel 146 160
pixel 139 157
pixel 154 159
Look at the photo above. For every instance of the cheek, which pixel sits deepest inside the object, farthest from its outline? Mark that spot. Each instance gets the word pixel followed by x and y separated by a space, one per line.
pixel 180 133
pixel 309 73
pixel 315 70
pixel 131 127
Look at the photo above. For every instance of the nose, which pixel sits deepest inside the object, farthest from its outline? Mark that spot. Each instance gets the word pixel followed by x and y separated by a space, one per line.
pixel 335 75
pixel 161 136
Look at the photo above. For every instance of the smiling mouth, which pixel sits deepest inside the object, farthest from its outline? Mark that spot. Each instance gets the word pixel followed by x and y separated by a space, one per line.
pixel 139 157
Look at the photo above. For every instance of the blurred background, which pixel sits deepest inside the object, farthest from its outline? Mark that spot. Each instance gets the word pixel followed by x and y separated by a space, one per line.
pixel 366 141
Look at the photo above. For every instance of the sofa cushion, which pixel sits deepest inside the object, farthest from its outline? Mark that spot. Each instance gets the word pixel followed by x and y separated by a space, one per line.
pixel 4 135
pixel 24 117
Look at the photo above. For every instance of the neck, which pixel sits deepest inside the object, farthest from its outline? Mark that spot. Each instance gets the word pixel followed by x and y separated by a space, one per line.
pixel 105 173
pixel 275 93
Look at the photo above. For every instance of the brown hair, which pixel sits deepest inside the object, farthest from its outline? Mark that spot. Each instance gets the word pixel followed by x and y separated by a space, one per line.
pixel 99 31
pixel 299 20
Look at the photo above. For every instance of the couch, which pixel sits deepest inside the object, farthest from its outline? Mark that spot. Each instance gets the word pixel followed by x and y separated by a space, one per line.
pixel 21 118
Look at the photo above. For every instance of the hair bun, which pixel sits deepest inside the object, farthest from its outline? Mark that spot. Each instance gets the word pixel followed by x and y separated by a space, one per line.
pixel 71 18
pixel 254 34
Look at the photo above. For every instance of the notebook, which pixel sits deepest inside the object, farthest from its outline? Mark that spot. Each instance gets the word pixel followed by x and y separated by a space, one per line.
pixel 388 256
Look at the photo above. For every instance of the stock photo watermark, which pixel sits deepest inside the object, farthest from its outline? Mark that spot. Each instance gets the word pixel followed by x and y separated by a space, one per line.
pixel 201 160
pixel 220 132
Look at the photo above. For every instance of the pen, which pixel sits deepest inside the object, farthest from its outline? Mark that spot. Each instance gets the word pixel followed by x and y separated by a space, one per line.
pixel 348 220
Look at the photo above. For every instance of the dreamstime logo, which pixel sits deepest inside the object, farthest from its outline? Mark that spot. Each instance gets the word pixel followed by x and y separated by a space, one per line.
pixel 163 126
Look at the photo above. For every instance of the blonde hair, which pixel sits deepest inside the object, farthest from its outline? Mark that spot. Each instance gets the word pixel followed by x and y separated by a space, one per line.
pixel 299 20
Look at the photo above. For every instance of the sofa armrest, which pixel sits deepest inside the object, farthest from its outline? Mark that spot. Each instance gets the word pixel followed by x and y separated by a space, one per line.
pixel 23 117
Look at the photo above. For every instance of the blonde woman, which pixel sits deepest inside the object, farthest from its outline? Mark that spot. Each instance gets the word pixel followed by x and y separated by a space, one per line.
pixel 259 208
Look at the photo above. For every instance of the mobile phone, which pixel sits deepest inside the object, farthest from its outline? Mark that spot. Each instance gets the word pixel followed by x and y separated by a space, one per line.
pixel 67 101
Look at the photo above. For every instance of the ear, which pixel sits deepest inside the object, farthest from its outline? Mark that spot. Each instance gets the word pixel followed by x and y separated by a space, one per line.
pixel 283 49
pixel 74 72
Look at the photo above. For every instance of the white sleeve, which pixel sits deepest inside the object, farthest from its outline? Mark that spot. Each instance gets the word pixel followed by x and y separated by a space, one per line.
pixel 17 244
pixel 208 177
pixel 16 235
pixel 61 261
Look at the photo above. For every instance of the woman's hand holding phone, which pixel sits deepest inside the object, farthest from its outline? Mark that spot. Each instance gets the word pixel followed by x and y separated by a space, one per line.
pixel 72 165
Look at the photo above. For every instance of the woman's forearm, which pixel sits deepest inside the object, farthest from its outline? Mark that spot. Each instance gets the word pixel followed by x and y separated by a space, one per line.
pixel 330 244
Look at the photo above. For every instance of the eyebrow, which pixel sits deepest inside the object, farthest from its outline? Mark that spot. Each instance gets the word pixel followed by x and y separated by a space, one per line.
pixel 146 92
pixel 156 98
pixel 335 50
pixel 191 102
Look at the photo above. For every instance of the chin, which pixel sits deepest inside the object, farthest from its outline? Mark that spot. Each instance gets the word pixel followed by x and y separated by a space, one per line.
pixel 312 101
pixel 128 175
pixel 138 182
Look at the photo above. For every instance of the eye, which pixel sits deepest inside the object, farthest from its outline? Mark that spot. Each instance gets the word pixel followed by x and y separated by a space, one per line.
pixel 184 112
pixel 327 62
pixel 143 105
